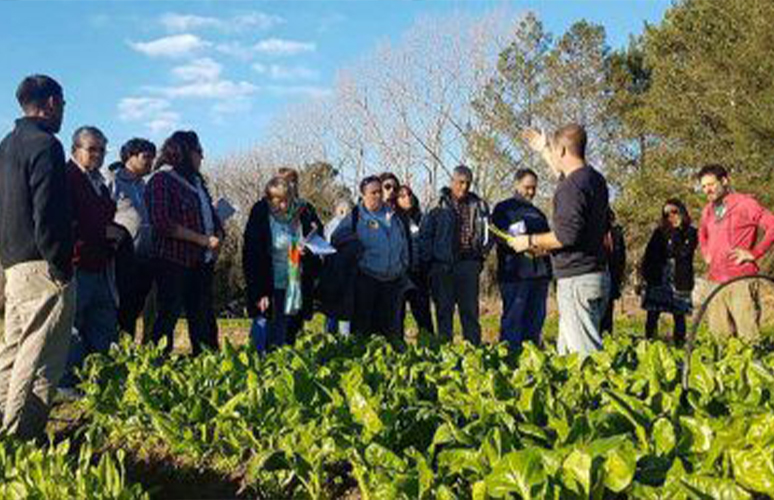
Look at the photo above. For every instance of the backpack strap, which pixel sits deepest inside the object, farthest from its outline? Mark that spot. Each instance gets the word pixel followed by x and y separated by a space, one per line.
pixel 355 218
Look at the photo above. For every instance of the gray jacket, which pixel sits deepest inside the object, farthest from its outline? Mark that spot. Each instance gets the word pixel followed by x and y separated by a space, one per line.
pixel 128 191
pixel 439 235
pixel 383 236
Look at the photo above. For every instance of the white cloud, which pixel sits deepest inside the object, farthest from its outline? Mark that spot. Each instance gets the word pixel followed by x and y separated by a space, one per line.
pixel 298 90
pixel 257 20
pixel 235 49
pixel 186 22
pixel 202 78
pixel 281 47
pixel 288 73
pixel 171 46
pixel 176 23
pixel 219 89
pixel 156 114
pixel 199 70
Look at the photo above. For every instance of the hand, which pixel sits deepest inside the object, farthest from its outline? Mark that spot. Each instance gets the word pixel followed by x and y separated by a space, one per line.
pixel 536 140
pixel 741 256
pixel 519 243
pixel 211 243
pixel 263 304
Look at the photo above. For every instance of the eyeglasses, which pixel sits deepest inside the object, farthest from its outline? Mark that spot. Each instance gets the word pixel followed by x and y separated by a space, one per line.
pixel 93 149
pixel 672 211
pixel 389 186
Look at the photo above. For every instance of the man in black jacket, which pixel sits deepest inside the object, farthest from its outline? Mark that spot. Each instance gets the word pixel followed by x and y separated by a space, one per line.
pixel 523 278
pixel 453 242
pixel 36 249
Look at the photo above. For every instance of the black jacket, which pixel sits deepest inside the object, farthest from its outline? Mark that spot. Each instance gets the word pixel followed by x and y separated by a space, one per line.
pixel 678 244
pixel 512 266
pixel 412 222
pixel 439 236
pixel 336 288
pixel 257 258
pixel 35 215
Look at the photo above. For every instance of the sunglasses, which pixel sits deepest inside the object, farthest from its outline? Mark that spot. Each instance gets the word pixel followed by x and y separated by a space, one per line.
pixel 388 187
pixel 671 212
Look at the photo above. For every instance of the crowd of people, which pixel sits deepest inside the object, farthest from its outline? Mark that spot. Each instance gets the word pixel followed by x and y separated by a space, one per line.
pixel 82 252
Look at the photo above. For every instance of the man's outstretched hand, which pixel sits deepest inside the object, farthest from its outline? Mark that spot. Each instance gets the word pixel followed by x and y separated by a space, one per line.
pixel 536 139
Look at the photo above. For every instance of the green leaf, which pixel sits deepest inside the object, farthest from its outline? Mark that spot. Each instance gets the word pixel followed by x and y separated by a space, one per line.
pixel 635 411
pixel 664 436
pixel 577 466
pixel 701 377
pixel 363 411
pixel 458 460
pixel 754 470
pixel 619 468
pixel 761 430
pixel 478 490
pixel 518 472
pixel 379 456
pixel 695 435
pixel 712 488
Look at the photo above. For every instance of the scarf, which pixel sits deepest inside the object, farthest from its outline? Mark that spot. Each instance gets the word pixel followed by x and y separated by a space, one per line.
pixel 293 291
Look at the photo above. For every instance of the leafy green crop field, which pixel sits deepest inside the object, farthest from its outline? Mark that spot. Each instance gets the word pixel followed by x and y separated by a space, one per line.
pixel 57 472
pixel 338 418
pixel 335 418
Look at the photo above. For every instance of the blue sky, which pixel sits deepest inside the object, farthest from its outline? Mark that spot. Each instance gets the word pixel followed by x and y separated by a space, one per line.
pixel 224 68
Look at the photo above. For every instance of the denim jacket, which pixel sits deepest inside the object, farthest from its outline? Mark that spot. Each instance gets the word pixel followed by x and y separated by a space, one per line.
pixel 385 249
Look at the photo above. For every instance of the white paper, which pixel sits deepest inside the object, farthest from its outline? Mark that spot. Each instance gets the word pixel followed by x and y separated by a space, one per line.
pixel 517 228
pixel 224 209
pixel 318 246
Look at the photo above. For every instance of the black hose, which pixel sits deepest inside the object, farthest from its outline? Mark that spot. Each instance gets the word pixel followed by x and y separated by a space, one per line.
pixel 700 316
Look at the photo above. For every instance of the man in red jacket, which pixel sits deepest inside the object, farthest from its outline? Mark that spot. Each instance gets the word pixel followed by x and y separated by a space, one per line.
pixel 96 240
pixel 729 242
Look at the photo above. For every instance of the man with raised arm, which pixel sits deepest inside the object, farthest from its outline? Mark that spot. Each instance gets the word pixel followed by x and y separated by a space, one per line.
pixel 580 223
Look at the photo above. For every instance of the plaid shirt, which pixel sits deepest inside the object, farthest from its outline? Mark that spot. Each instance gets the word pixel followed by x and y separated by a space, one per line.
pixel 170 203
pixel 464 210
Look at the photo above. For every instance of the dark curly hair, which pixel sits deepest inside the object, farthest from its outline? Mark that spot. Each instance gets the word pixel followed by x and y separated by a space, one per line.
pixel 176 152
pixel 136 146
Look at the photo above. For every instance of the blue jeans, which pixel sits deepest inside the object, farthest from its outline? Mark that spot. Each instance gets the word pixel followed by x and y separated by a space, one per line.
pixel 280 329
pixel 96 321
pixel 524 311
pixel 582 301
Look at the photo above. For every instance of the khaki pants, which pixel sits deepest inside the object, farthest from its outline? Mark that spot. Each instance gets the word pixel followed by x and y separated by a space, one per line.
pixel 38 324
pixel 736 311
